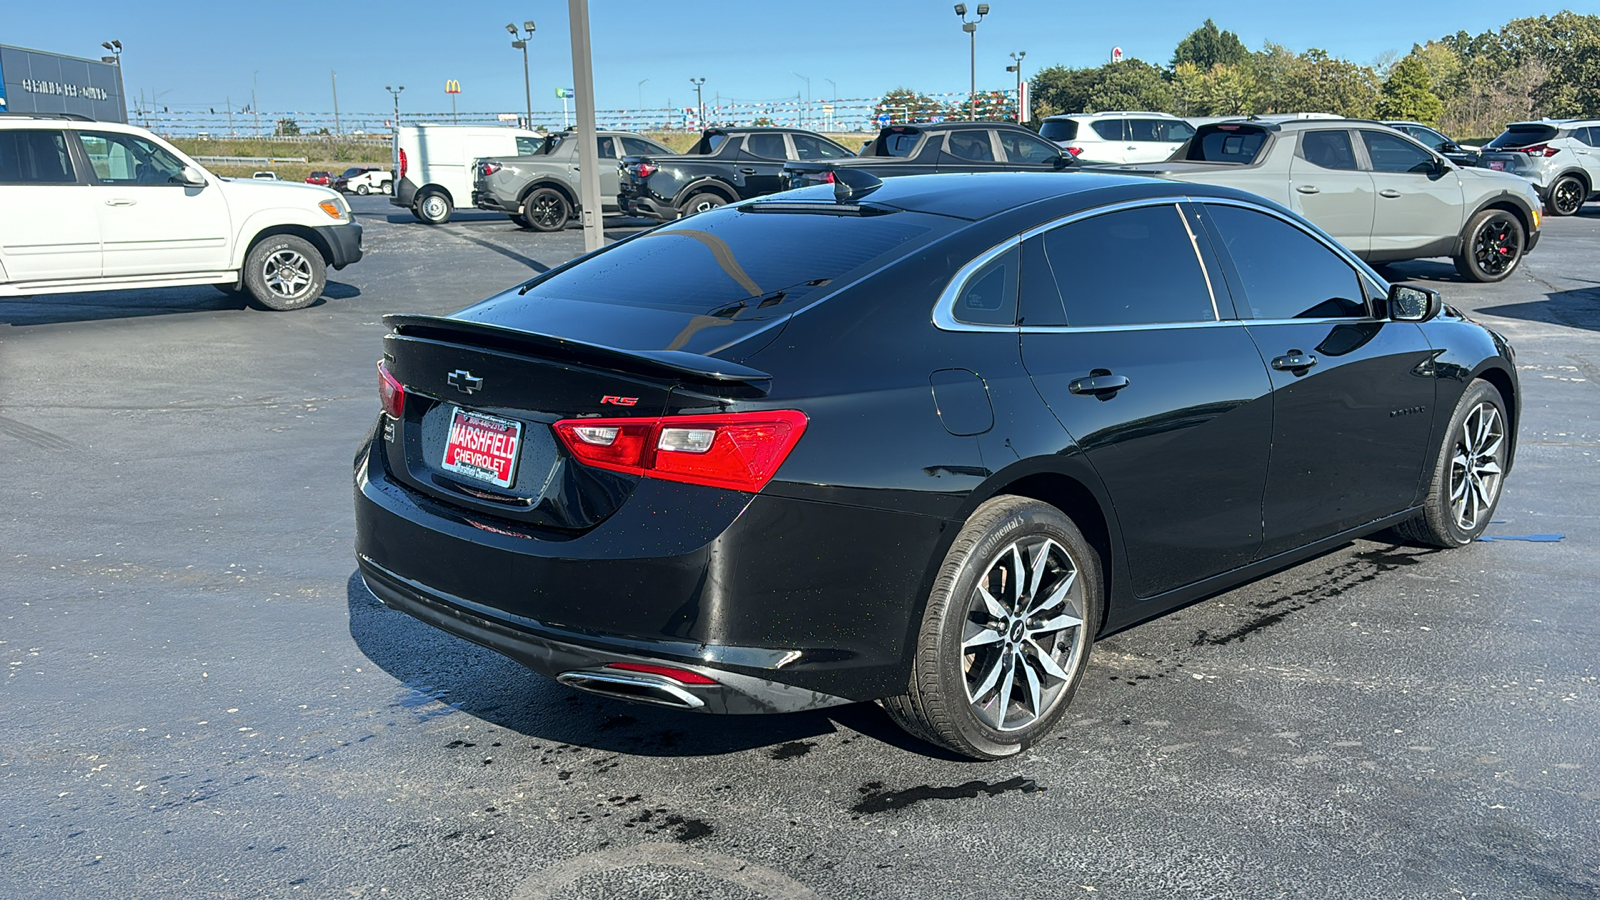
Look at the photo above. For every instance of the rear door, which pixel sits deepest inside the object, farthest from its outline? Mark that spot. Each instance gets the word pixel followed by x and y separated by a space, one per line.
pixel 1160 387
pixel 1352 395
pixel 970 150
pixel 610 149
pixel 1329 187
pixel 1418 201
pixel 151 223
pixel 49 220
pixel 1024 151
pixel 1586 144
pixel 761 162
pixel 1154 140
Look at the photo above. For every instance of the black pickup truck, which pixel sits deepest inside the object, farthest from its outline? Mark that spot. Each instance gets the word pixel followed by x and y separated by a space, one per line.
pixel 724 166
pixel 941 147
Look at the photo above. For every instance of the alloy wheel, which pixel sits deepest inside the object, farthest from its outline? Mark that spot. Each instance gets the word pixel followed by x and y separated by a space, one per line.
pixel 1567 197
pixel 1497 245
pixel 1023 633
pixel 287 274
pixel 1476 466
pixel 547 211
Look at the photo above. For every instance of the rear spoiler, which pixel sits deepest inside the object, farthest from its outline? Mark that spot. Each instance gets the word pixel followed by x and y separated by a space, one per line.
pixel 673 364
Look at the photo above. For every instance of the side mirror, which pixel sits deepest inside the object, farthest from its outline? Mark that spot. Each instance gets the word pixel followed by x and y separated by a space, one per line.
pixel 1408 303
pixel 1062 162
pixel 191 177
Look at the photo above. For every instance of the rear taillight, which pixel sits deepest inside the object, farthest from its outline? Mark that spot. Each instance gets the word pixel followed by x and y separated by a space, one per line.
pixel 1544 150
pixel 391 393
pixel 488 168
pixel 645 170
pixel 827 177
pixel 403 166
pixel 1074 150
pixel 682 676
pixel 737 451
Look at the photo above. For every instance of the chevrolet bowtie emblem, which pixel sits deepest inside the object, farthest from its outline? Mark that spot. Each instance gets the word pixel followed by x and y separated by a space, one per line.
pixel 464 381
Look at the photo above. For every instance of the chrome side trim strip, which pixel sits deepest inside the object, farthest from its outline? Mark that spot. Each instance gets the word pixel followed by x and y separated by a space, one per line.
pixel 600 682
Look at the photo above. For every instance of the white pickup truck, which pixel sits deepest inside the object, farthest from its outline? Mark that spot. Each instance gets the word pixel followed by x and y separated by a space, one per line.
pixel 95 206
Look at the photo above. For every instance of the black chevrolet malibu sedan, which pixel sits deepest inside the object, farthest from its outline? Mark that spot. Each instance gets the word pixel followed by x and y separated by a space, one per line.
pixel 920 442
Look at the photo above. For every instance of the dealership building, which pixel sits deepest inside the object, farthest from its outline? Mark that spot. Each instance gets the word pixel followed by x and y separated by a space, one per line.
pixel 32 81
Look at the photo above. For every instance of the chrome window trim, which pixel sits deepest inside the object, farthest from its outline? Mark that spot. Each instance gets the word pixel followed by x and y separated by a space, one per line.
pixel 944 317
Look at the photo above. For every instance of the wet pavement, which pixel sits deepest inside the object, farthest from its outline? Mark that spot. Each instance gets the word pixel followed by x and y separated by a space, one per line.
pixel 200 699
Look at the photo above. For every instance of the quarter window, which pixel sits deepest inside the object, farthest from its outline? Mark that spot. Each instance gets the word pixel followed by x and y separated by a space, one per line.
pixel 990 296
pixel 1392 153
pixel 1109 129
pixel 1328 149
pixel 808 147
pixel 973 145
pixel 766 146
pixel 1130 267
pixel 1284 272
pixel 129 159
pixel 35 157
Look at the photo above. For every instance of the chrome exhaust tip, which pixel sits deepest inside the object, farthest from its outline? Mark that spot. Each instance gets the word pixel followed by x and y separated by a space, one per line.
pixel 638 687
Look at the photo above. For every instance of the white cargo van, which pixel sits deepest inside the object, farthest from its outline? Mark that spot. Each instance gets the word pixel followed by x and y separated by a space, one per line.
pixel 433 164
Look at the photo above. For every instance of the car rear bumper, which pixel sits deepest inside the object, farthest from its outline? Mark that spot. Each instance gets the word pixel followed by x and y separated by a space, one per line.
pixel 789 604
pixel 646 207
pixel 344 243
pixel 487 200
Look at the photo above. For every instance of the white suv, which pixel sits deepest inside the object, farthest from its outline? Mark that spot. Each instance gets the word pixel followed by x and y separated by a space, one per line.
pixel 1117 137
pixel 95 206
pixel 1560 157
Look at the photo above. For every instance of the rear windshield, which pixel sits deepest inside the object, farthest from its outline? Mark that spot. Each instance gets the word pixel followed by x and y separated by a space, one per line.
pixel 711 262
pixel 1226 143
pixel 1523 135
pixel 1059 130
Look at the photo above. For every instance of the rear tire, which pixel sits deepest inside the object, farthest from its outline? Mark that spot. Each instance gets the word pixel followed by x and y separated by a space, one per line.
pixel 702 202
pixel 1007 631
pixel 546 209
pixel 1566 196
pixel 521 220
pixel 1491 247
pixel 362 189
pixel 284 272
pixel 433 208
pixel 387 187
pixel 1467 475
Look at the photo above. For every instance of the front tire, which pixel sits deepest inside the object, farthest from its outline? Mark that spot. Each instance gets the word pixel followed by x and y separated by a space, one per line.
pixel 433 208
pixel 387 187
pixel 1006 634
pixel 1566 196
pixel 284 272
pixel 1468 473
pixel 546 209
pixel 1492 245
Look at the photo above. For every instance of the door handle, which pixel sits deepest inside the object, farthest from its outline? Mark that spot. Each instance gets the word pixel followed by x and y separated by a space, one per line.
pixel 1295 361
pixel 1391 193
pixel 121 201
pixel 747 171
pixel 1099 383
pixel 1308 189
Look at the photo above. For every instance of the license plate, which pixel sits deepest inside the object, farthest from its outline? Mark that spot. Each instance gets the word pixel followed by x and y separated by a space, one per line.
pixel 482 447
pixel 1499 165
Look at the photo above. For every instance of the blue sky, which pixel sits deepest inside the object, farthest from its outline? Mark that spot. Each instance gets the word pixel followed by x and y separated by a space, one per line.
pixel 194 54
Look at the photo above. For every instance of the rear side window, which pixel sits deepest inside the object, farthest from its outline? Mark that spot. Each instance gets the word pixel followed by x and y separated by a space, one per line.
pixel 1328 149
pixel 1227 143
pixel 35 157
pixel 641 147
pixel 607 147
pixel 1059 130
pixel 1284 272
pixel 1109 129
pixel 808 147
pixel 708 263
pixel 900 143
pixel 972 145
pixel 1131 267
pixel 1590 135
pixel 1026 148
pixel 527 146
pixel 1164 131
pixel 708 144
pixel 766 146
pixel 1392 153
pixel 990 296
pixel 1522 136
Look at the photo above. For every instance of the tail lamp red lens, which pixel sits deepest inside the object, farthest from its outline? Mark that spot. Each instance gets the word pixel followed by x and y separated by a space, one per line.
pixel 391 393
pixel 1544 150
pixel 1074 150
pixel 402 163
pixel 828 177
pixel 645 170
pixel 682 676
pixel 489 168
pixel 737 451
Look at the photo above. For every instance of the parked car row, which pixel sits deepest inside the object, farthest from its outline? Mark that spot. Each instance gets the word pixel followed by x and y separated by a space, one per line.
pixel 356 179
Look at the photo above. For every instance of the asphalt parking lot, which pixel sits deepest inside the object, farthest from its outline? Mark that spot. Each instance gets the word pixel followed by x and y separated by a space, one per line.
pixel 201 699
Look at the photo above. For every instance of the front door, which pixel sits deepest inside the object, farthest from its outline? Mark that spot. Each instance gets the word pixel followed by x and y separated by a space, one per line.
pixel 1024 151
pixel 1418 208
pixel 1163 391
pixel 49 224
pixel 150 222
pixel 1352 395
pixel 1328 187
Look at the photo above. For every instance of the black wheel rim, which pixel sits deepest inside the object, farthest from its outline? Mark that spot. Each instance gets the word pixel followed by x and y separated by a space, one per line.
pixel 547 211
pixel 1497 245
pixel 1567 197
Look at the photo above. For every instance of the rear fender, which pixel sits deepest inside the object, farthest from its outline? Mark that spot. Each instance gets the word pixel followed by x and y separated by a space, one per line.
pixel 708 184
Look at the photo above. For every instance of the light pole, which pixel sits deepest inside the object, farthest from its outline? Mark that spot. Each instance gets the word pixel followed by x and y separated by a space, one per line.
pixel 115 46
pixel 971 28
pixel 699 98
pixel 1016 59
pixel 807 108
pixel 396 94
pixel 641 93
pixel 527 88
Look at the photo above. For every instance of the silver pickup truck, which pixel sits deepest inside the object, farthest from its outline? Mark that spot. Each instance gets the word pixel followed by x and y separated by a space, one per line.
pixel 1375 190
pixel 540 191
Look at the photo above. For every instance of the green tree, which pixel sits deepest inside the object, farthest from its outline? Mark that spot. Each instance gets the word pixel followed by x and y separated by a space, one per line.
pixel 1223 91
pixel 287 128
pixel 904 105
pixel 1060 89
pixel 1207 46
pixel 1408 94
pixel 1131 84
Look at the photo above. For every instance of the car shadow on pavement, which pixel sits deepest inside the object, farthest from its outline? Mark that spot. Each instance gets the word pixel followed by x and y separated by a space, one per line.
pixel 57 309
pixel 441 674
pixel 1577 308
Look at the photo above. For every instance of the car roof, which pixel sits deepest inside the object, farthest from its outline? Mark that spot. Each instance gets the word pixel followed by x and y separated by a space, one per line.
pixel 934 127
pixel 981 195
pixel 1115 114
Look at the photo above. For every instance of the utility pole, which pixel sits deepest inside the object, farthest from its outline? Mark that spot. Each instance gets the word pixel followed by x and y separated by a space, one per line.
pixel 699 99
pixel 230 116
pixel 254 109
pixel 527 86
pixel 807 108
pixel 1016 58
pixel 335 76
pixel 588 149
pixel 971 28
pixel 395 92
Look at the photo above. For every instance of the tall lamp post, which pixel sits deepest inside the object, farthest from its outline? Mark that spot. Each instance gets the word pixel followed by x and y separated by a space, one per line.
pixel 699 98
pixel 1016 59
pixel 807 109
pixel 396 94
pixel 971 28
pixel 522 44
pixel 115 46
